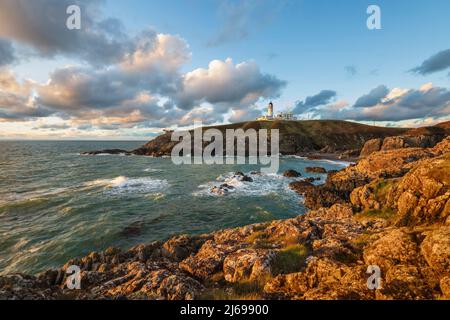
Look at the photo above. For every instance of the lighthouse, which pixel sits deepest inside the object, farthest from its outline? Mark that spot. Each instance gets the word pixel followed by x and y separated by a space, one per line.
pixel 270 110
pixel 284 116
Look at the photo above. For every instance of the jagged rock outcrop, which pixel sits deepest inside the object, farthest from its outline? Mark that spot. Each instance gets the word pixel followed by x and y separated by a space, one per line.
pixel 380 165
pixel 400 142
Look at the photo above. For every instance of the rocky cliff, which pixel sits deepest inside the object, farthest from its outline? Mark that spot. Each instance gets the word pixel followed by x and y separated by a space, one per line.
pixel 391 209
pixel 425 137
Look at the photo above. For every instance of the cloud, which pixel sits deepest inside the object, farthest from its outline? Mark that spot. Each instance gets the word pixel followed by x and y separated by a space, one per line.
pixel 156 97
pixel 153 69
pixel 438 62
pixel 322 98
pixel 397 105
pixel 351 71
pixel 17 102
pixel 372 98
pixel 240 18
pixel 52 127
pixel 246 114
pixel 130 81
pixel 226 84
pixel 41 25
pixel 6 53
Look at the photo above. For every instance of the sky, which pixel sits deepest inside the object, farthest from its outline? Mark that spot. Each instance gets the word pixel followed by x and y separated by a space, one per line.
pixel 136 67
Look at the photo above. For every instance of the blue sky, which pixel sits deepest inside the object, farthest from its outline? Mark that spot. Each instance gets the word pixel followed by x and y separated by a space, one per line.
pixel 306 47
pixel 310 43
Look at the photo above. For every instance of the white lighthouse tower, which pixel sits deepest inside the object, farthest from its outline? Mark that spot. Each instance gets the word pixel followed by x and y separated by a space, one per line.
pixel 284 116
pixel 270 111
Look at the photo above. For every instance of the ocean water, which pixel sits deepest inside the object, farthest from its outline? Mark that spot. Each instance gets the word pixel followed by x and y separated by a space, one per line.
pixel 56 204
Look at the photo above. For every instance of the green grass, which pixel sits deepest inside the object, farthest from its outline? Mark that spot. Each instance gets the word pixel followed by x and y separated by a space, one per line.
pixel 382 188
pixel 246 290
pixel 290 259
pixel 259 240
pixel 383 213
pixel 361 241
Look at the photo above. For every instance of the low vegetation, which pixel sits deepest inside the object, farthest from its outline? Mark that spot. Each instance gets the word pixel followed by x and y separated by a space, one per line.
pixel 290 259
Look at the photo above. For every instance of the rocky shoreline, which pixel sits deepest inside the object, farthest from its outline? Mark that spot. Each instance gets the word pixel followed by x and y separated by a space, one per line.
pixel 391 209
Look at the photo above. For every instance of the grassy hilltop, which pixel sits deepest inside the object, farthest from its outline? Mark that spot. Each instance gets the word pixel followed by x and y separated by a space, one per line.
pixel 296 137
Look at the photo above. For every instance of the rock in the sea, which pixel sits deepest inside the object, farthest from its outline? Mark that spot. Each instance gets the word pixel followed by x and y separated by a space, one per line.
pixel 223 189
pixel 301 187
pixel 291 174
pixel 315 170
pixel 107 151
pixel 242 177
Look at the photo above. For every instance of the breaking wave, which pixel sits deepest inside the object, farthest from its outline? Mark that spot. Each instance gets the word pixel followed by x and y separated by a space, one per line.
pixel 124 184
pixel 262 185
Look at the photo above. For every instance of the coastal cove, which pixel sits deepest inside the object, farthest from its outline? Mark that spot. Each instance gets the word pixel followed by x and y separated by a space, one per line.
pixel 56 204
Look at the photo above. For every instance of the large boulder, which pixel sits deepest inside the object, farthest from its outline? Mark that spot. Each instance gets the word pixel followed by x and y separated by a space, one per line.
pixel 323 279
pixel 393 247
pixel 248 265
pixel 180 247
pixel 24 287
pixel 371 146
pixel 399 142
pixel 436 249
pixel 209 259
pixel 404 282
pixel 423 194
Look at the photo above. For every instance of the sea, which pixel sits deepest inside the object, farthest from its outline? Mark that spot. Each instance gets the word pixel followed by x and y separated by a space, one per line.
pixel 57 204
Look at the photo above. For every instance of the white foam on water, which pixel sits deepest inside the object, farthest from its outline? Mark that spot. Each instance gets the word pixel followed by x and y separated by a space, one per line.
pixel 293 156
pixel 124 184
pixel 262 185
pixel 22 198
pixel 340 163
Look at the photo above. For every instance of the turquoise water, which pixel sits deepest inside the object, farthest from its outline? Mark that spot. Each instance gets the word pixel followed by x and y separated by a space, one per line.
pixel 56 204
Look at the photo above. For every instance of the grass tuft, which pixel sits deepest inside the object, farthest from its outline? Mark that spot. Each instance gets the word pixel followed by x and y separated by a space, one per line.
pixel 290 259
